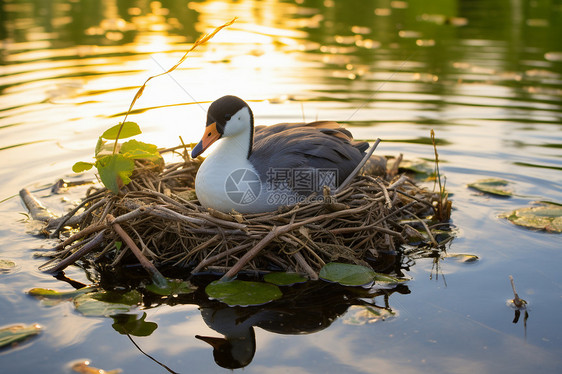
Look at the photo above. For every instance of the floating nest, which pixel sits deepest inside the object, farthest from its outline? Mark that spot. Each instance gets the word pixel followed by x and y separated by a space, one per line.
pixel 158 216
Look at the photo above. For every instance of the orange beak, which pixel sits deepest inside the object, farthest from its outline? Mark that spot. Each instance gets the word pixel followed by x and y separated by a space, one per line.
pixel 211 135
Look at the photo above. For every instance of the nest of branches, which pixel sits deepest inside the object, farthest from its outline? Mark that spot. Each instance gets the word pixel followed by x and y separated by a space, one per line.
pixel 157 220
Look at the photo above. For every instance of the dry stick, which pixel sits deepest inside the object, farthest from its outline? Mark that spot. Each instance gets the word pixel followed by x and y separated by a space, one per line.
pixel 357 168
pixel 157 277
pixel 87 248
pixel 302 262
pixel 36 209
pixel 79 235
pixel 255 250
pixel 213 259
pixel 66 219
pixel 429 234
pixel 388 203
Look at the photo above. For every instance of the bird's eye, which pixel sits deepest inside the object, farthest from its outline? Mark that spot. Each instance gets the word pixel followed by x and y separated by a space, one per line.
pixel 227 117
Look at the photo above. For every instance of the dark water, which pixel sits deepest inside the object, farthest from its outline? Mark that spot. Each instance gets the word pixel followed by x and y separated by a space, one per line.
pixel 485 75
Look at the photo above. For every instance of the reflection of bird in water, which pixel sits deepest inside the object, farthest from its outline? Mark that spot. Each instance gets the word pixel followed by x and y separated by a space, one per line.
pixel 238 346
pixel 304 309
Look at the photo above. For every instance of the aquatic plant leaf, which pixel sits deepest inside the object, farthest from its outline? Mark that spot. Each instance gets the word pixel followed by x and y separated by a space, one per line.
pixel 115 171
pixel 6 266
pixel 140 150
pixel 48 293
pixel 107 303
pixel 420 167
pixel 284 279
pixel 173 287
pixel 462 257
pixel 359 315
pixel 389 279
pixel 492 186
pixel 17 333
pixel 127 324
pixel 243 293
pixel 83 367
pixel 546 217
pixel 82 166
pixel 122 131
pixel 347 274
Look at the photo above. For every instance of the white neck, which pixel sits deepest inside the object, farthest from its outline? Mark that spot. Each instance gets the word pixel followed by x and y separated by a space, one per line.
pixel 233 147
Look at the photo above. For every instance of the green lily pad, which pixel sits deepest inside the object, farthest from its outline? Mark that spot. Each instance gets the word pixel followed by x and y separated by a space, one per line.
pixel 347 274
pixel 421 168
pixel 462 257
pixel 388 279
pixel 492 186
pixel 50 297
pixel 6 266
pixel 127 324
pixel 54 294
pixel 17 333
pixel 354 275
pixel 107 303
pixel 359 315
pixel 173 287
pixel 284 279
pixel 546 217
pixel 243 293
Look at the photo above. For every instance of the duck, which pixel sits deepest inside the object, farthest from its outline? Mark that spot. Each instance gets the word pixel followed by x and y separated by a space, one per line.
pixel 256 169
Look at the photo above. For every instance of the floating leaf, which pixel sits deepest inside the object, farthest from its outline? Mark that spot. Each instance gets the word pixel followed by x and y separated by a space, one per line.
pixel 115 171
pixel 173 287
pixel 545 217
pixel 82 166
pixel 107 303
pixel 16 333
pixel 83 367
pixel 492 186
pixel 359 315
pixel 129 324
pixel 422 168
pixel 284 279
pixel 50 294
pixel 462 257
pixel 7 266
pixel 347 274
pixel 354 275
pixel 243 293
pixel 129 129
pixel 383 278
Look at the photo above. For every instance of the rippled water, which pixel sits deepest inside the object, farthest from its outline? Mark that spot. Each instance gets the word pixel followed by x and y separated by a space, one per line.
pixel 485 75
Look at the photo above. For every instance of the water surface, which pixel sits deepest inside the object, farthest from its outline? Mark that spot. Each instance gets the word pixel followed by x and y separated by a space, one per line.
pixel 486 76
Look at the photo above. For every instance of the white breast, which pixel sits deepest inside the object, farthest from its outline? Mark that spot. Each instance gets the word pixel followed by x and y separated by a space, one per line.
pixel 226 180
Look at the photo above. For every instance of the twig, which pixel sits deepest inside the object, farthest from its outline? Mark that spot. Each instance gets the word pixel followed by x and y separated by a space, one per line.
pixel 350 177
pixel 256 249
pixel 156 276
pixel 86 248
pixel 302 262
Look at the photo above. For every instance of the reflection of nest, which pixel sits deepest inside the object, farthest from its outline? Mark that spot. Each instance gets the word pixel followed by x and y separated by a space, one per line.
pixel 157 211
